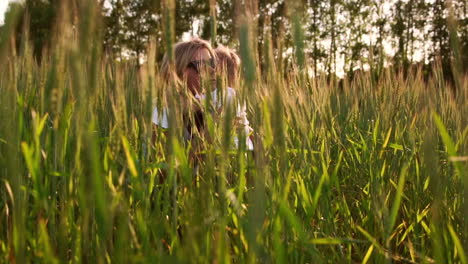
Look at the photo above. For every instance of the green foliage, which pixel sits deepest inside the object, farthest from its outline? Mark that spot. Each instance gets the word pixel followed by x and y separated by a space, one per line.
pixel 340 36
pixel 37 20
pixel 130 26
pixel 360 171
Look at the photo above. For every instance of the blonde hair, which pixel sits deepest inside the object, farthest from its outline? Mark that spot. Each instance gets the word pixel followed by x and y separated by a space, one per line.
pixel 228 62
pixel 184 53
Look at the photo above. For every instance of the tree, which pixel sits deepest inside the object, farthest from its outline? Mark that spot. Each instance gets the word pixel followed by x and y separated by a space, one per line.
pixel 358 14
pixel 38 18
pixel 399 30
pixel 463 26
pixel 316 33
pixel 334 29
pixel 439 34
pixel 379 23
pixel 114 36
pixel 130 25
pixel 187 12
pixel 141 23
pixel 459 17
pixel 272 21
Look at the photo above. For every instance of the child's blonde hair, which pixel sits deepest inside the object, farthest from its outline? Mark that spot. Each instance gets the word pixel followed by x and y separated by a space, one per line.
pixel 228 63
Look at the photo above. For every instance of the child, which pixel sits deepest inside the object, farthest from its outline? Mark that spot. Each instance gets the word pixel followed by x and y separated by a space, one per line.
pixel 228 65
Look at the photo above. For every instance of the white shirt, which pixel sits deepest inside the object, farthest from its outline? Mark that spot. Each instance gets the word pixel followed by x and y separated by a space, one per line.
pixel 162 119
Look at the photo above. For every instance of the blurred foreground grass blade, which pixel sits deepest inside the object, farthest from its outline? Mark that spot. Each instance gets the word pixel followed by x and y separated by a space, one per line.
pixel 298 38
pixel 333 241
pixel 278 244
pixel 169 26
pixel 371 239
pixel 97 201
pixel 461 172
pixel 451 149
pixel 289 216
pixel 48 253
pixel 397 201
pixel 130 157
pixel 368 254
pixel 248 62
pixel 11 22
pixel 458 246
pixel 13 236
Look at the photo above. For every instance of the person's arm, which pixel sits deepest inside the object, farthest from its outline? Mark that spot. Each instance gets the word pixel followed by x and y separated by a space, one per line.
pixel 160 122
pixel 242 124
pixel 160 132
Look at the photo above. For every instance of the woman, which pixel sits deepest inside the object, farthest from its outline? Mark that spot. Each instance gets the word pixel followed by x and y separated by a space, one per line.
pixel 193 59
pixel 195 65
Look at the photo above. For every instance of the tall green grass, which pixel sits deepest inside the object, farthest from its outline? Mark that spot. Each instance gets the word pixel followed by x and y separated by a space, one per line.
pixel 361 170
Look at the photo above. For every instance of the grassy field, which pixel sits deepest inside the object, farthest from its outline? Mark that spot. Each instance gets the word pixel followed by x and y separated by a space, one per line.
pixel 365 170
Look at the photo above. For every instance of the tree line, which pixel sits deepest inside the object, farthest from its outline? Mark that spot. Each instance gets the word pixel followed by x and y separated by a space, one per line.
pixel 339 36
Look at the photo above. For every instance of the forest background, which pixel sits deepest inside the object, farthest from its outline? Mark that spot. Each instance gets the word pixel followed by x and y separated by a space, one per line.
pixel 339 36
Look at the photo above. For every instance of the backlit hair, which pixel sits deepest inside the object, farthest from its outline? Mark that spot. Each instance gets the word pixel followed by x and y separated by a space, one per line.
pixel 228 62
pixel 184 53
